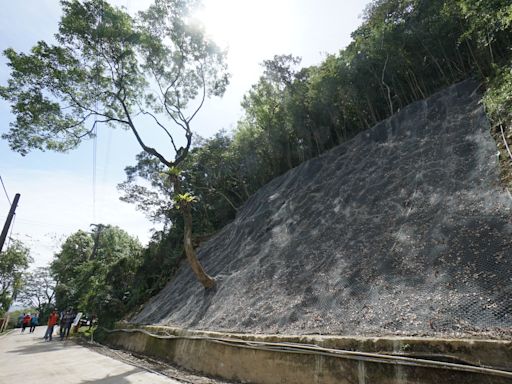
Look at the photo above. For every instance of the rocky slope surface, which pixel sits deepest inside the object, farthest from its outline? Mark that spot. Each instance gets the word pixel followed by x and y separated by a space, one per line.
pixel 402 230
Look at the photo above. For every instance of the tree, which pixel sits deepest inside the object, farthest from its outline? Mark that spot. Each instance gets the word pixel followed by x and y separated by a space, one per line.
pixel 69 267
pixel 38 291
pixel 109 69
pixel 211 173
pixel 264 107
pixel 157 266
pixel 12 264
pixel 96 271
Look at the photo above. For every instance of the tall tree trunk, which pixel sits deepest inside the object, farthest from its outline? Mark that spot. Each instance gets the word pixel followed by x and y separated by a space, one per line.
pixel 197 268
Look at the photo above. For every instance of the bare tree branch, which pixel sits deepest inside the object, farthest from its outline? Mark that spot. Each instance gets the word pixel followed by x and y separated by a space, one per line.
pixel 146 148
pixel 163 127
pixel 202 99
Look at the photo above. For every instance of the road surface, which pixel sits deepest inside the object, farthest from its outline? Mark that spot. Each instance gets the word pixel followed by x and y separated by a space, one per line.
pixel 26 357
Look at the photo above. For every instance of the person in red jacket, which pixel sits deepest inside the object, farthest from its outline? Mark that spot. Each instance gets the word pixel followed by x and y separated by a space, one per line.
pixel 26 322
pixel 52 320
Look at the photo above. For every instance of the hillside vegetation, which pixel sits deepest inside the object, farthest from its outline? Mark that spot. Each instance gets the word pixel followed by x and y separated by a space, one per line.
pixel 147 72
pixel 401 230
pixel 404 50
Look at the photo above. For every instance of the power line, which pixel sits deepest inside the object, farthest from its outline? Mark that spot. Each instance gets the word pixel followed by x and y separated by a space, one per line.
pixel 95 128
pixel 5 190
pixel 94 150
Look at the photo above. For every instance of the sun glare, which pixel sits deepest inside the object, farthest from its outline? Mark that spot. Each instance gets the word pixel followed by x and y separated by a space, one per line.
pixel 241 24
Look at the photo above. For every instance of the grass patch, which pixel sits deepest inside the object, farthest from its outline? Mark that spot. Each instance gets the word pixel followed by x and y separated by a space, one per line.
pixel 85 332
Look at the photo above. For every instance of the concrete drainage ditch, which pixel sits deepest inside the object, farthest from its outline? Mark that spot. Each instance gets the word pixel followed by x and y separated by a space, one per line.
pixel 278 359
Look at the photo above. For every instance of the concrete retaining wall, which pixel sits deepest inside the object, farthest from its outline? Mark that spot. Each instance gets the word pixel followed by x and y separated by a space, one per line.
pixel 276 367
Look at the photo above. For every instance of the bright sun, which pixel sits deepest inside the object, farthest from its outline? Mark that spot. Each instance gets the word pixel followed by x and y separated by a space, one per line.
pixel 241 24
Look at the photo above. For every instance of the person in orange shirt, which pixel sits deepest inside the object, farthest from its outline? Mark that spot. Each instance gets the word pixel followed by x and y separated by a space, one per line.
pixel 52 320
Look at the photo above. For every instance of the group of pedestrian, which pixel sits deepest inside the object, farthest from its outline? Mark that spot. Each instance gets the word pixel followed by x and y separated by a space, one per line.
pixel 28 320
pixel 64 319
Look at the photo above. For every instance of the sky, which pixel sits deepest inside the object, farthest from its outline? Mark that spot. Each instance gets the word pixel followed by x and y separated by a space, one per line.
pixel 62 193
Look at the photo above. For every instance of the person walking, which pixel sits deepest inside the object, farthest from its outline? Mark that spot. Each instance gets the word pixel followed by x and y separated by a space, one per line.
pixel 52 320
pixel 65 323
pixel 34 322
pixel 20 320
pixel 26 322
pixel 62 323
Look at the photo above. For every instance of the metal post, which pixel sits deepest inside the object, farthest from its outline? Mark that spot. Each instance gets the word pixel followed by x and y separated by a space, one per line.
pixel 9 220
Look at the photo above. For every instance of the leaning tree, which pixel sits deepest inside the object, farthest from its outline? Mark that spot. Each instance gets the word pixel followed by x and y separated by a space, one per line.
pixel 107 68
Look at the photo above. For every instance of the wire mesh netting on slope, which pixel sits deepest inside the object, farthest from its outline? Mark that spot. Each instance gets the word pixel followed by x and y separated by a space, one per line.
pixel 402 230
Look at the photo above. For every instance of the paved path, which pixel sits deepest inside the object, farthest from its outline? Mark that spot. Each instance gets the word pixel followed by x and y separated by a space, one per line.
pixel 28 358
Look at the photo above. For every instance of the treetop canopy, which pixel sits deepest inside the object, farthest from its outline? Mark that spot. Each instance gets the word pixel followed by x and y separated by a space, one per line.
pixel 110 68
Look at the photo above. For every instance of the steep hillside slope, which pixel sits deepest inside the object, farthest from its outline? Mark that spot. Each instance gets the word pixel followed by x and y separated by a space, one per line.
pixel 402 230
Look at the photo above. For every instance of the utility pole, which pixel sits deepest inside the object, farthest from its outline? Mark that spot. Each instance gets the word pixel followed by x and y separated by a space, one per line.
pixel 9 220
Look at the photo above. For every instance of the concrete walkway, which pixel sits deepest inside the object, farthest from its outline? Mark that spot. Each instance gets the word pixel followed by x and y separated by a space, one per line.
pixel 28 358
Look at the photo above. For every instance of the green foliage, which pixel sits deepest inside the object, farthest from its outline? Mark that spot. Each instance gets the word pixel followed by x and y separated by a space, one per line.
pixel 106 63
pixel 95 272
pixel 185 199
pixel 404 51
pixel 173 171
pixel 108 68
pixel 57 90
pixel 13 262
pixel 68 268
pixel 498 97
pixel 265 108
pixel 153 199
pixel 216 177
pixel 212 173
pixel 489 22
pixel 498 104
pixel 160 260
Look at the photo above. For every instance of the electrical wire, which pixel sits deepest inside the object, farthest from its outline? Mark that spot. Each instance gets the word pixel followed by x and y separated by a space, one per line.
pixel 309 349
pixel 95 128
pixel 5 190
pixel 106 155
pixel 94 150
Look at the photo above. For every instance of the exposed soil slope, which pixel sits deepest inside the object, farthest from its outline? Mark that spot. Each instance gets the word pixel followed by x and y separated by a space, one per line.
pixel 402 230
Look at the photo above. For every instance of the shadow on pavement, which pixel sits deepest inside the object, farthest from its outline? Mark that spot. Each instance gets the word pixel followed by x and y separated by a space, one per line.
pixel 41 346
pixel 114 379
